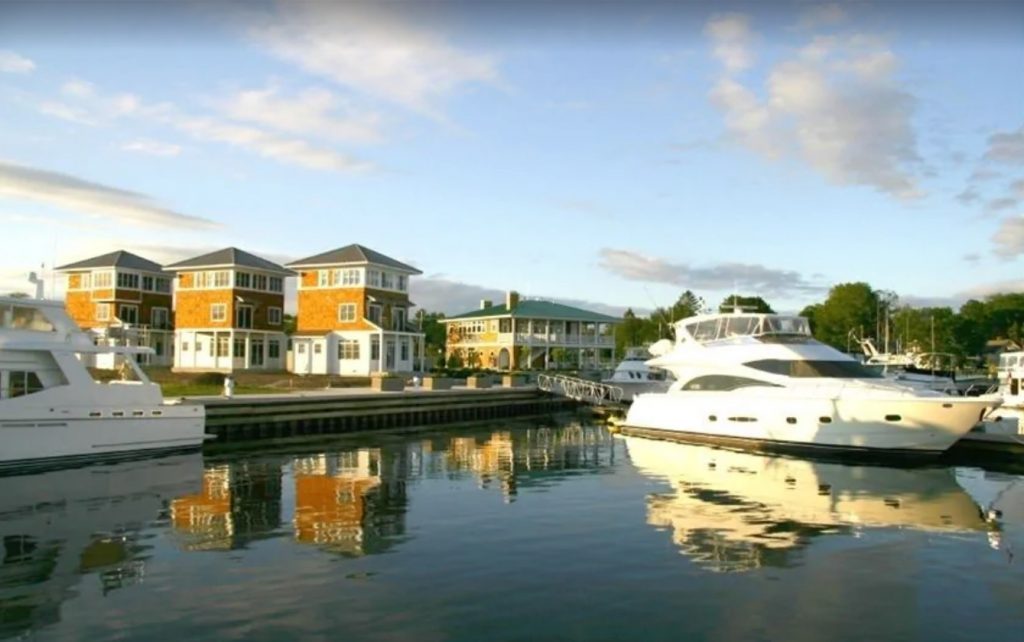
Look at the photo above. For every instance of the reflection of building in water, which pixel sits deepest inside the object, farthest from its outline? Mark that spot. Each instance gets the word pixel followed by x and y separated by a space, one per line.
pixel 239 503
pixel 347 503
pixel 523 457
pixel 59 526
pixel 737 510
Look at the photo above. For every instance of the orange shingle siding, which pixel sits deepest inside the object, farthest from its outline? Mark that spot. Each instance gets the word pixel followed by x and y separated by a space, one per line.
pixel 193 308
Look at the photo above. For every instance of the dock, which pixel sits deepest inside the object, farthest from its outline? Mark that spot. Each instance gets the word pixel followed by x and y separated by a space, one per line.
pixel 335 411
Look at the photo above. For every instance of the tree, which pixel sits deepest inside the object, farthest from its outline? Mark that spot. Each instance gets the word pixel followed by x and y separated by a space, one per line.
pixel 849 306
pixel 629 333
pixel 288 324
pixel 745 303
pixel 433 330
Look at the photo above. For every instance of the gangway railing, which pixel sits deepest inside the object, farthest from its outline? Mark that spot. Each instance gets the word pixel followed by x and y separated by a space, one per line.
pixel 584 390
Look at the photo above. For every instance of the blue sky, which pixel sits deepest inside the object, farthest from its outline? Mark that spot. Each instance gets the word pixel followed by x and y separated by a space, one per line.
pixel 611 155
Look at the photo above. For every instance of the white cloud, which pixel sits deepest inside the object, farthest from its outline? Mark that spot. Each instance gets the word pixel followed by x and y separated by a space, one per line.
pixel 78 88
pixel 66 112
pixel 151 147
pixel 372 49
pixel 316 112
pixel 96 108
pixel 731 35
pixel 12 63
pixel 823 15
pixel 77 195
pixel 1009 238
pixel 724 276
pixel 836 105
pixel 1006 147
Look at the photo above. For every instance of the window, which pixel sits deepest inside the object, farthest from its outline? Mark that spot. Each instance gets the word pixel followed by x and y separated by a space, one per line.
pixel 373 278
pixel 350 277
pixel 723 383
pixel 103 312
pixel 147 283
pixel 276 284
pixel 256 352
pixel 84 281
pixel 161 284
pixel 128 314
pixel 374 312
pixel 218 312
pixel 348 349
pixel 402 284
pixel 374 348
pixel 239 348
pixel 323 278
pixel 243 316
pixel 221 346
pixel 259 281
pixel 243 280
pixel 824 369
pixel 128 280
pixel 159 318
pixel 404 347
pixel 274 316
pixel 301 348
pixel 399 318
pixel 102 280
pixel 274 349
pixel 318 348
pixel 387 281
pixel 20 383
pixel 347 312
pixel 218 279
pixel 184 346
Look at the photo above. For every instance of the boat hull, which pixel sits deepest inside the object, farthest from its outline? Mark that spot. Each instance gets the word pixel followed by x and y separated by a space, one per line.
pixel 900 425
pixel 34 440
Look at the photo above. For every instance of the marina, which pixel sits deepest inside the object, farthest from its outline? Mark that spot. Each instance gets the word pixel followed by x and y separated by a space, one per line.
pixel 492 530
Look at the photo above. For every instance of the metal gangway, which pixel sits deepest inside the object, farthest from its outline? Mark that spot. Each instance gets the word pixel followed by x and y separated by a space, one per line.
pixel 584 390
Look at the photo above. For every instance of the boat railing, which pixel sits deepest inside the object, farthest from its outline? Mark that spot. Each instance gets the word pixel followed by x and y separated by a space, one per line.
pixel 584 390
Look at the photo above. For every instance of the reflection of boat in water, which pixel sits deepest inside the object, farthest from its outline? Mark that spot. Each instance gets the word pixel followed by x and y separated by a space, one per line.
pixel 60 526
pixel 732 510
pixel 634 376
pixel 762 381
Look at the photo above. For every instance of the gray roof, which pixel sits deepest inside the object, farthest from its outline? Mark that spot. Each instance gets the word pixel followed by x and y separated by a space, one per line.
pixel 534 309
pixel 230 257
pixel 353 254
pixel 118 259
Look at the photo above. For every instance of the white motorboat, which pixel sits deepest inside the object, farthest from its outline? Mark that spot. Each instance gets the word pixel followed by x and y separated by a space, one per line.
pixel 1009 418
pixel 762 380
pixel 51 409
pixel 735 511
pixel 633 376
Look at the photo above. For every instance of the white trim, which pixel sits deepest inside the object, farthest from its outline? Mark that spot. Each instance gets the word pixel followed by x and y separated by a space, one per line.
pixel 223 308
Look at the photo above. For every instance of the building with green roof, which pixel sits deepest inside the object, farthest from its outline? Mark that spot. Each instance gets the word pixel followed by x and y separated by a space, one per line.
pixel 530 334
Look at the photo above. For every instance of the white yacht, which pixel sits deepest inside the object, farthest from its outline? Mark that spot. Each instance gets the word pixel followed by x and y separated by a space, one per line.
pixel 51 409
pixel 634 376
pixel 1009 418
pixel 762 380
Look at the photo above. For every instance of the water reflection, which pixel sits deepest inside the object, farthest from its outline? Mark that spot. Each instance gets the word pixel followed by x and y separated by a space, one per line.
pixel 62 525
pixel 734 511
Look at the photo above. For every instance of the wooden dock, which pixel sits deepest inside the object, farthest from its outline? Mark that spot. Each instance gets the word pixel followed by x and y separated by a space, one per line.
pixel 256 417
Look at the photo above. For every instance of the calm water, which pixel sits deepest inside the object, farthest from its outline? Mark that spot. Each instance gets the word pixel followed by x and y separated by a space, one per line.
pixel 511 532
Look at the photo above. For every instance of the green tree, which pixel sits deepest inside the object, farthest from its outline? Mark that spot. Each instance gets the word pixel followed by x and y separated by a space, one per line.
pixel 849 306
pixel 434 331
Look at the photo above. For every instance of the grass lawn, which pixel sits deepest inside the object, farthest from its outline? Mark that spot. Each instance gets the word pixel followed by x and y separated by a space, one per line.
pixel 199 389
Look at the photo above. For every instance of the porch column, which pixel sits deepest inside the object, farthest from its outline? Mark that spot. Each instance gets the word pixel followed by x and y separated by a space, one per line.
pixel 380 351
pixel 214 351
pixel 422 351
pixel 248 349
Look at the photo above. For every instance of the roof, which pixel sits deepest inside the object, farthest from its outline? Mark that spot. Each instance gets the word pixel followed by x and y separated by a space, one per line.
pixel 120 258
pixel 533 309
pixel 353 254
pixel 230 256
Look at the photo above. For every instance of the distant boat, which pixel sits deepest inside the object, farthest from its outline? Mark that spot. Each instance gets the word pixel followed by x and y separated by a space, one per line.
pixel 52 410
pixel 762 381
pixel 633 376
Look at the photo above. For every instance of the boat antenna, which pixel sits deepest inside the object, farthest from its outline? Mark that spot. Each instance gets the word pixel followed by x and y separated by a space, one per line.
pixel 35 280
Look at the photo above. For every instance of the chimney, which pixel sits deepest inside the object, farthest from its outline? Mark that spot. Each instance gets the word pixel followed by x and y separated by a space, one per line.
pixel 485 303
pixel 511 300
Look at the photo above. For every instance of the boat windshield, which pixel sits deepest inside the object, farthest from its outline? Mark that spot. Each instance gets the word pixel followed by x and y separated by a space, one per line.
pixel 746 325
pixel 815 368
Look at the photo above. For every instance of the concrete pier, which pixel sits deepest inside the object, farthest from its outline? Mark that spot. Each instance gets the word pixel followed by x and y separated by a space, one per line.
pixel 254 417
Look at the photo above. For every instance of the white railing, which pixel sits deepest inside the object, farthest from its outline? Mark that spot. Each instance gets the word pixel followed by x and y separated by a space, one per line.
pixel 579 389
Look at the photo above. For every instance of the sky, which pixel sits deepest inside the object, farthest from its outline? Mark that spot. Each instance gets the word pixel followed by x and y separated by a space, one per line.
pixel 609 155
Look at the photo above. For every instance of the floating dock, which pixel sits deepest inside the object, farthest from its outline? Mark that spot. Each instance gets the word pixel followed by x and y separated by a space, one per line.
pixel 310 413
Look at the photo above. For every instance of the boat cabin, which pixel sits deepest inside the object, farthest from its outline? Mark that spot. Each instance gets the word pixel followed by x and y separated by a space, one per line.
pixel 725 327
